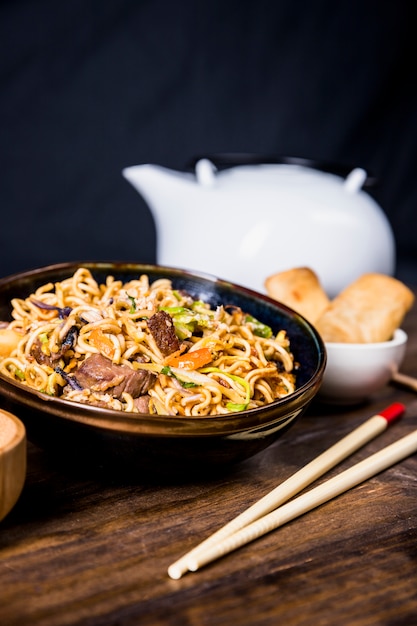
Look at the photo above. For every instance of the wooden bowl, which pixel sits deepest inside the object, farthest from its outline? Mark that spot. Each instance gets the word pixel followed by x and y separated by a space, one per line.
pixel 12 461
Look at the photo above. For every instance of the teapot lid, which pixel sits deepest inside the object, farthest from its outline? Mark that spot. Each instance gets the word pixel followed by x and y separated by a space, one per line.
pixel 226 160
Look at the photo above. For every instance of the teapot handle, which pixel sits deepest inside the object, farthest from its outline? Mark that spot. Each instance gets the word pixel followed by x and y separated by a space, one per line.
pixel 225 160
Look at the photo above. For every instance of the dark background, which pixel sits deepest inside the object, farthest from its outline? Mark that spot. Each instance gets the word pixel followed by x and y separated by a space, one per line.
pixel 89 87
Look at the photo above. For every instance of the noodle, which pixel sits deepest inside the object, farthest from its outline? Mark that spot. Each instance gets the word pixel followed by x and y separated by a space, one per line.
pixel 106 344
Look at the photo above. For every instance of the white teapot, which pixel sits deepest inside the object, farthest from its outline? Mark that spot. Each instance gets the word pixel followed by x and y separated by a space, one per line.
pixel 253 219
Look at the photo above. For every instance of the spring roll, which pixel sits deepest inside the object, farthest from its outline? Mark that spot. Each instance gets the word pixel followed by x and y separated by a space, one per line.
pixel 369 310
pixel 301 290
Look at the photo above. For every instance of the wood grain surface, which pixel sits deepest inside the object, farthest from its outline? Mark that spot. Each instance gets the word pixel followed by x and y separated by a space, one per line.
pixel 88 549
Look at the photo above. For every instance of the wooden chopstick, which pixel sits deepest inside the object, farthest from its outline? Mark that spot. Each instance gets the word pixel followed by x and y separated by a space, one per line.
pixel 404 380
pixel 293 485
pixel 330 489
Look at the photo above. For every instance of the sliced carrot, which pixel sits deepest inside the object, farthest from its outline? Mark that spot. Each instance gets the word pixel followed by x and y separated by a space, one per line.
pixel 190 360
pixel 103 343
pixel 8 341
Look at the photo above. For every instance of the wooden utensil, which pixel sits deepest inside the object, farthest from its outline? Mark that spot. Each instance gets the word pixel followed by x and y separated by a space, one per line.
pixel 404 380
pixel 283 492
pixel 323 493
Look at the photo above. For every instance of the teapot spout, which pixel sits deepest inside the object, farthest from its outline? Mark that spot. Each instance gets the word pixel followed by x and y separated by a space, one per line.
pixel 158 185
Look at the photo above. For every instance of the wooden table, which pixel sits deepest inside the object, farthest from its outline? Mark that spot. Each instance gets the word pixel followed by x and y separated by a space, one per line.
pixel 82 549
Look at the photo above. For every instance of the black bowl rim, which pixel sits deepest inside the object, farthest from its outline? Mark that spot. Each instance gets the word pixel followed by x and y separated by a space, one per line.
pixel 156 425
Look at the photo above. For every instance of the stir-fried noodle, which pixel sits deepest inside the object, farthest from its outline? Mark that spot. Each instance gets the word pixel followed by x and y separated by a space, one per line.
pixel 144 347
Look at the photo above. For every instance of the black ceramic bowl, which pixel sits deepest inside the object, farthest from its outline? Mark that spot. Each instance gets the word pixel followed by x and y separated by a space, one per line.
pixel 155 444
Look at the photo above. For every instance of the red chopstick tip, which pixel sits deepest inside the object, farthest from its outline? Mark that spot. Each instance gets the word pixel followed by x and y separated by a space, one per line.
pixel 393 412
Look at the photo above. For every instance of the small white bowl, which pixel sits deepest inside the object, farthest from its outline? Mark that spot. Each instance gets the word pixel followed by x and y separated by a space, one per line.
pixel 354 371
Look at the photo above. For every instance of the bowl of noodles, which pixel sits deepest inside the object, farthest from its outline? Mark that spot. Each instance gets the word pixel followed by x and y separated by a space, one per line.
pixel 153 368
